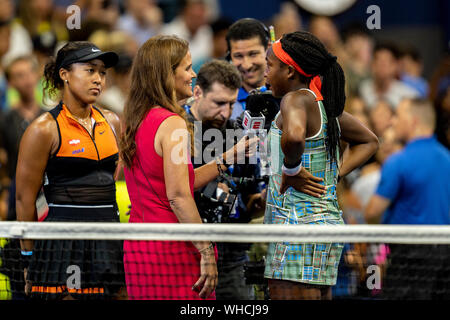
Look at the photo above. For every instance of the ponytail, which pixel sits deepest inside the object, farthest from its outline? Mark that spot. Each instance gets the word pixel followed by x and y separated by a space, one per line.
pixel 311 55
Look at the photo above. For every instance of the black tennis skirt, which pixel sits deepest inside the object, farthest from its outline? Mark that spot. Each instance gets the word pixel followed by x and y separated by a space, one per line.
pixel 83 269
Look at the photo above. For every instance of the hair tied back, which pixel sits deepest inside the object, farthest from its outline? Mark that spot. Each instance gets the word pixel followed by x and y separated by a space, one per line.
pixel 329 62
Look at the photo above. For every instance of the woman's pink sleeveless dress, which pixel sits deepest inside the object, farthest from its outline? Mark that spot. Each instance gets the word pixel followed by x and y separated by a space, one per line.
pixel 156 270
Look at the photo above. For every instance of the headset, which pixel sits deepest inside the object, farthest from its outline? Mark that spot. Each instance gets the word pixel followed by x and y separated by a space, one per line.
pixel 251 22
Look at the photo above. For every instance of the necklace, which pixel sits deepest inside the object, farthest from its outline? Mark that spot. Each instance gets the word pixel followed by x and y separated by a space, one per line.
pixel 86 123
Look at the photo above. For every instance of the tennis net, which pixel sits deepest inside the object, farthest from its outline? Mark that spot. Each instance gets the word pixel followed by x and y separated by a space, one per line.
pixel 158 261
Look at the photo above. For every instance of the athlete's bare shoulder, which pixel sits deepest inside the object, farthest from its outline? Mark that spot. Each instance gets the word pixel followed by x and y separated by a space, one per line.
pixel 297 99
pixel 44 124
pixel 43 131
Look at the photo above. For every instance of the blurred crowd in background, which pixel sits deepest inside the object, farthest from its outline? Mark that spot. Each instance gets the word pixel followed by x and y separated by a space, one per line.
pixel 378 74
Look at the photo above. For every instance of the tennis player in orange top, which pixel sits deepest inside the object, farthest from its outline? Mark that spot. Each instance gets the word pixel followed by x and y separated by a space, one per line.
pixel 72 150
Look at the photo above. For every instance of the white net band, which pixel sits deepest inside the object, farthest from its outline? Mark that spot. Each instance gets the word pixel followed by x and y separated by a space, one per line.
pixel 248 233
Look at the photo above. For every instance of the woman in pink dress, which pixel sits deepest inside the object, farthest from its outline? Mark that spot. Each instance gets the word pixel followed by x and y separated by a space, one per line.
pixel 160 177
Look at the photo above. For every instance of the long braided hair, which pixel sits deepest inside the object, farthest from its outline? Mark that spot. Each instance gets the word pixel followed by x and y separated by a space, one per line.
pixel 312 56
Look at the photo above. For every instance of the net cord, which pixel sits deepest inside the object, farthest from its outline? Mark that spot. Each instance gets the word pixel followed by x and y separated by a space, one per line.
pixel 245 233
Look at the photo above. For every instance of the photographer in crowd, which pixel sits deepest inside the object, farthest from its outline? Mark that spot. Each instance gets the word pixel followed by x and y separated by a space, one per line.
pixel 226 199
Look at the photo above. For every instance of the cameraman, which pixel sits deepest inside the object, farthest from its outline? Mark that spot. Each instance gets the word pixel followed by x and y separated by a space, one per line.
pixel 225 199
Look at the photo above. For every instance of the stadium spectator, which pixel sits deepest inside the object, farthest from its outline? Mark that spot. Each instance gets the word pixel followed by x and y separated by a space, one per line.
pixel 94 15
pixel 220 28
pixel 192 25
pixel 365 185
pixel 119 41
pixel 60 139
pixel 19 40
pixel 160 186
pixel 44 46
pixel 22 75
pixel 287 20
pixel 358 44
pixel 383 85
pixel 106 12
pixel 414 189
pixel 356 107
pixel 115 95
pixel 302 150
pixel 36 16
pixel 142 19
pixel 327 32
pixel 5 33
pixel 411 68
pixel 381 117
pixel 247 41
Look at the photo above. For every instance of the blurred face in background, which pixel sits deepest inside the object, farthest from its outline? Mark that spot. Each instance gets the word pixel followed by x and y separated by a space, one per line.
pixel 403 121
pixel 6 10
pixel 388 145
pixel 42 8
pixel 195 16
pixel 23 77
pixel 411 67
pixel 249 57
pixel 288 20
pixel 359 47
pixel 384 66
pixel 325 30
pixel 220 44
pixel 215 105
pixel 356 107
pixel 139 8
pixel 381 117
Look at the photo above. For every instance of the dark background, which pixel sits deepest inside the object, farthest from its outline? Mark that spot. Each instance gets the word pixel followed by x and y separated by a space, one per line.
pixel 423 24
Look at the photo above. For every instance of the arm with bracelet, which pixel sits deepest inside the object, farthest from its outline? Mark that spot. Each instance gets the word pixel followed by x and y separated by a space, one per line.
pixel 209 171
pixel 176 178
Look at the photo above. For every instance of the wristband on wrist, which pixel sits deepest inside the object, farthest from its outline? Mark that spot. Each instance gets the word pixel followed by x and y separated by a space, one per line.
pixel 25 258
pixel 294 165
pixel 291 171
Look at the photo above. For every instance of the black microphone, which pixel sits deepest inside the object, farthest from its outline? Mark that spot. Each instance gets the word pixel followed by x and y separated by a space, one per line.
pixel 263 102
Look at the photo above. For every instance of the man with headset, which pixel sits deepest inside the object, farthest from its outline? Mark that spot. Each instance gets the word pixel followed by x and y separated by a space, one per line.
pixel 247 41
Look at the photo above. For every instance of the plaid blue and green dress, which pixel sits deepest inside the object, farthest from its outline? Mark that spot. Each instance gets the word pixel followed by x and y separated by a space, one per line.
pixel 310 263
